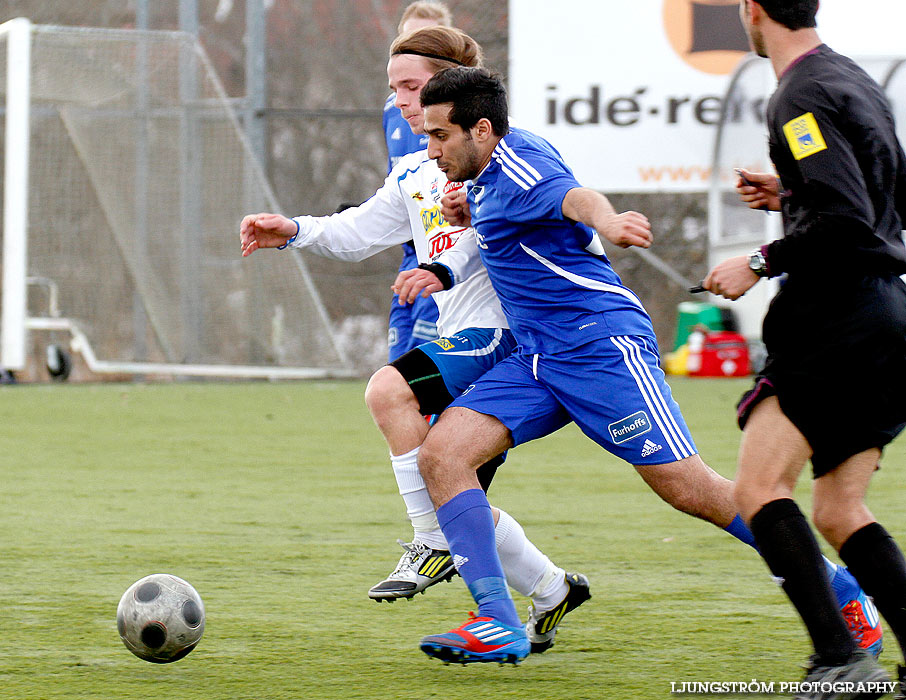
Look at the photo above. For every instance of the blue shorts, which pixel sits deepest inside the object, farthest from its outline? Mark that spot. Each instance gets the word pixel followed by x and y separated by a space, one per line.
pixel 438 371
pixel 410 324
pixel 612 388
pixel 464 357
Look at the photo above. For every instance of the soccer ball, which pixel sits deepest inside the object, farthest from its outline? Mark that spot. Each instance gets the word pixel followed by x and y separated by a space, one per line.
pixel 160 618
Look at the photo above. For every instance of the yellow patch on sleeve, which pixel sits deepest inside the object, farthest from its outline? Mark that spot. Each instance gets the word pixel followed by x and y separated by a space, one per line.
pixel 804 136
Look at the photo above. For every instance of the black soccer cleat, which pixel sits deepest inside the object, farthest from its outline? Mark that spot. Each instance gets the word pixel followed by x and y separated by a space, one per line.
pixel 900 693
pixel 860 671
pixel 419 568
pixel 541 629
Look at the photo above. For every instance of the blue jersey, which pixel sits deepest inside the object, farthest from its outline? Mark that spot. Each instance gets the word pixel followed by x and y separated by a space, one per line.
pixel 556 294
pixel 400 139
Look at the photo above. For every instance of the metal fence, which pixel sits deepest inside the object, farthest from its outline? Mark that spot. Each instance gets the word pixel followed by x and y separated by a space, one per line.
pixel 326 83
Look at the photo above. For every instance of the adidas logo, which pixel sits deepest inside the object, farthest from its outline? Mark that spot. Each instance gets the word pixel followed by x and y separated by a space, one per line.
pixel 649 448
pixel 459 561
pixel 488 632
pixel 396 135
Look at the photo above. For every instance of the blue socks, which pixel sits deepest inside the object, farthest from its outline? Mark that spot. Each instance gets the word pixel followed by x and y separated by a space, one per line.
pixel 845 586
pixel 468 525
pixel 742 533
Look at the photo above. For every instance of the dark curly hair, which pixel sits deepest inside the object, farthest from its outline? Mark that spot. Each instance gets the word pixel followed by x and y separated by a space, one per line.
pixel 475 93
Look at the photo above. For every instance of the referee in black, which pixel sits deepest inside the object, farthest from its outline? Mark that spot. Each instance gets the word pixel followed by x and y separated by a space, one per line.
pixel 834 386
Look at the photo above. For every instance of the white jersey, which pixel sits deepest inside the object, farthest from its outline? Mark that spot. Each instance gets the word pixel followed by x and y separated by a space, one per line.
pixel 407 207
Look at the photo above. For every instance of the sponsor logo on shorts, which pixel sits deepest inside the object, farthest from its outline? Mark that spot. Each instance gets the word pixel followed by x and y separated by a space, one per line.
pixel 468 389
pixel 393 337
pixel 629 427
pixel 649 448
pixel 444 343
pixel 424 330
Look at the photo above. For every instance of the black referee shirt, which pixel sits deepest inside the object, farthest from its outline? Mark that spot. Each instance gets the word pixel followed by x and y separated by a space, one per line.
pixel 833 143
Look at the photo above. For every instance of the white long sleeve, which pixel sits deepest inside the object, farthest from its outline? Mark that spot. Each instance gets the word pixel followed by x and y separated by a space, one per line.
pixel 359 232
pixel 407 207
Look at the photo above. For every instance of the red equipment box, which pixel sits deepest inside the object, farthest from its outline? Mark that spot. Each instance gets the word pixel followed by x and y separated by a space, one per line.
pixel 722 354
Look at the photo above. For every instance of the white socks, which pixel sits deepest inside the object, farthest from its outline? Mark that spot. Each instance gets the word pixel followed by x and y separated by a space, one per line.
pixel 527 568
pixel 419 507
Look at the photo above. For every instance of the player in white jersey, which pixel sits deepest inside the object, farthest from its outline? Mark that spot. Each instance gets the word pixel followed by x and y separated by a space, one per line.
pixel 410 325
pixel 423 381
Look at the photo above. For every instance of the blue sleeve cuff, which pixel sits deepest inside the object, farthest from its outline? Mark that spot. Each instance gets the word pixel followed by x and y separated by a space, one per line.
pixel 290 240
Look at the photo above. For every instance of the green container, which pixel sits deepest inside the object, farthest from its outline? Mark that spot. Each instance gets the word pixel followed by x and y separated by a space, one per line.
pixel 696 313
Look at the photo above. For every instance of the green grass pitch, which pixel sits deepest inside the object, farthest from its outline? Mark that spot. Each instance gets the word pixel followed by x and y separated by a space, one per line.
pixel 277 502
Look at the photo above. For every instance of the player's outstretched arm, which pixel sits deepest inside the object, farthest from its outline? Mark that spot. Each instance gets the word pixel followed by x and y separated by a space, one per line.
pixel 758 190
pixel 265 231
pixel 594 209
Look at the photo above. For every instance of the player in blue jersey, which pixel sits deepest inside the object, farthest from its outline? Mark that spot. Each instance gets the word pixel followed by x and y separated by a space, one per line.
pixel 424 380
pixel 587 351
pixel 410 325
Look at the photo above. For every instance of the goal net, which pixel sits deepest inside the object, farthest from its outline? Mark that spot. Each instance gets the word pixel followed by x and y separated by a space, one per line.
pixel 126 173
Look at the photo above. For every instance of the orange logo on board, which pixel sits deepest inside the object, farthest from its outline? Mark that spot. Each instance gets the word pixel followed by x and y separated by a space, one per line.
pixel 707 34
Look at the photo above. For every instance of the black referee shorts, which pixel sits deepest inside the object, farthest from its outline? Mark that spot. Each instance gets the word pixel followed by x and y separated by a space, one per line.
pixel 837 365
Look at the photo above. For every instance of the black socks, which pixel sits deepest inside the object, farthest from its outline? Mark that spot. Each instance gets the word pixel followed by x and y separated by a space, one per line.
pixel 872 556
pixel 790 550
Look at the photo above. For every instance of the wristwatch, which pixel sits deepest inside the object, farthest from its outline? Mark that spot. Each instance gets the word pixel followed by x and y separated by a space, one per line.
pixel 757 263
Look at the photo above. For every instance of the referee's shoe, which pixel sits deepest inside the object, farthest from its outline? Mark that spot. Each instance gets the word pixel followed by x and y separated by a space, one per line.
pixel 859 671
pixel 901 691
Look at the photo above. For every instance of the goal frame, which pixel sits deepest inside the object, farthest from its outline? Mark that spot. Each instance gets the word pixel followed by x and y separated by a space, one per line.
pixel 15 321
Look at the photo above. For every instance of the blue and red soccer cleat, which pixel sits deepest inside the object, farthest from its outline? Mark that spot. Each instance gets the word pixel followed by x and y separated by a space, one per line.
pixel 864 624
pixel 479 640
pixel 858 610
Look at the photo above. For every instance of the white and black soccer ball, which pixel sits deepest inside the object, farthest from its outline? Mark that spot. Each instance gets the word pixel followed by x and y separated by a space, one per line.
pixel 160 618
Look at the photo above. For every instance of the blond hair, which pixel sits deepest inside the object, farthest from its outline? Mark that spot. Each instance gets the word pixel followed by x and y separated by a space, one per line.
pixel 425 9
pixel 440 46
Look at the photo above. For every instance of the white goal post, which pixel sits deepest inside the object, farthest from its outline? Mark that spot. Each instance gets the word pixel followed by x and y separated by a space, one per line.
pixel 126 173
pixel 15 194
